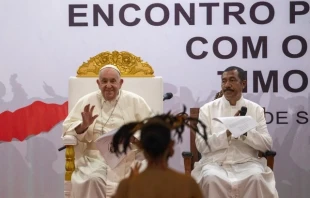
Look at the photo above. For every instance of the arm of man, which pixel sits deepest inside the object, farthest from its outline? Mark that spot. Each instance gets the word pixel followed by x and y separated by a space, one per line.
pixel 259 138
pixel 216 139
pixel 142 111
pixel 73 125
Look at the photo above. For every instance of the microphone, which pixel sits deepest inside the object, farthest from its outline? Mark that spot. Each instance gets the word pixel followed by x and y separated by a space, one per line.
pixel 243 111
pixel 61 148
pixel 167 96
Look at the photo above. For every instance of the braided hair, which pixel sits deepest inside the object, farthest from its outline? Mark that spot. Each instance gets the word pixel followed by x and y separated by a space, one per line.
pixel 155 133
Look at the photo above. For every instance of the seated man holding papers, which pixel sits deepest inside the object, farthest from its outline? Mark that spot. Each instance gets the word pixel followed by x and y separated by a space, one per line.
pixel 96 114
pixel 231 167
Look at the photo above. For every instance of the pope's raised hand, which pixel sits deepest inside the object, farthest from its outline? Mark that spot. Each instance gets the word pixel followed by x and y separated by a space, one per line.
pixel 87 116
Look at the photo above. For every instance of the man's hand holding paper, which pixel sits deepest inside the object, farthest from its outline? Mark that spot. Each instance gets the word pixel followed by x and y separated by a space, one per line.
pixel 237 125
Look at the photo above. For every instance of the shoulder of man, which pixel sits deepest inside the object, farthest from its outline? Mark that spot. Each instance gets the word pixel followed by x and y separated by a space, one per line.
pixel 211 104
pixel 89 95
pixel 129 94
pixel 253 104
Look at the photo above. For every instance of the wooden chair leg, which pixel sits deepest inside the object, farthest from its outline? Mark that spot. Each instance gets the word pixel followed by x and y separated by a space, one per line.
pixel 70 167
pixel 187 157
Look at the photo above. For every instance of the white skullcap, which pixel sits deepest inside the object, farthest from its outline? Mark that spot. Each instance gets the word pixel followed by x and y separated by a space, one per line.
pixel 111 66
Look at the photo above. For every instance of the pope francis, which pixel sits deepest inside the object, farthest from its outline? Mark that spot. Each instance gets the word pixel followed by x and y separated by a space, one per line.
pixel 93 115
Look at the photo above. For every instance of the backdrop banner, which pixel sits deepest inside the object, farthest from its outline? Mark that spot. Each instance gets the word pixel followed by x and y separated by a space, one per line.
pixel 187 42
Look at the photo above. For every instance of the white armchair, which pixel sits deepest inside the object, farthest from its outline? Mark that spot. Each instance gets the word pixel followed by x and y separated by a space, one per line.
pixel 138 78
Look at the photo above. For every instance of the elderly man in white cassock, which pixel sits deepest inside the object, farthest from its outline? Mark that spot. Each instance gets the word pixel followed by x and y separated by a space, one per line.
pixel 231 168
pixel 93 115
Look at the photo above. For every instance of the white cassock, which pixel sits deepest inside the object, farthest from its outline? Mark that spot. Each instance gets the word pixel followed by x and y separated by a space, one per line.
pixel 92 177
pixel 232 167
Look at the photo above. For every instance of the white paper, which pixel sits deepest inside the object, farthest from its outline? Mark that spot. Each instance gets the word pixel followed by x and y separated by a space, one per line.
pixel 103 144
pixel 237 125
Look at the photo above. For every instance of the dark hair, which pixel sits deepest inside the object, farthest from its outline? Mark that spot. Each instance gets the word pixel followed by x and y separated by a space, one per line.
pixel 241 72
pixel 155 138
pixel 155 132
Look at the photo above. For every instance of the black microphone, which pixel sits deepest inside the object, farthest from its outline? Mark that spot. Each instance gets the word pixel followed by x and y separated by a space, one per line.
pixel 61 148
pixel 167 96
pixel 243 111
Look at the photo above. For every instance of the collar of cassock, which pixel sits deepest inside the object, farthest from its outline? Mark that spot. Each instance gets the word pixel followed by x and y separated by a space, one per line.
pixel 111 102
pixel 238 105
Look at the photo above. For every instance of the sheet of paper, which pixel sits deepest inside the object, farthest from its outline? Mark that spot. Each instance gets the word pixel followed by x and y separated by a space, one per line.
pixel 237 125
pixel 103 144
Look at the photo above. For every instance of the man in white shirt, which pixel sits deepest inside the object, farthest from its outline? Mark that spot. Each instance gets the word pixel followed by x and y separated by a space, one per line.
pixel 93 115
pixel 232 167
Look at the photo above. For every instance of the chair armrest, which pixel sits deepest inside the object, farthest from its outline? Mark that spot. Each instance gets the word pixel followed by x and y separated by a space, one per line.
pixel 187 154
pixel 68 140
pixel 269 153
pixel 187 157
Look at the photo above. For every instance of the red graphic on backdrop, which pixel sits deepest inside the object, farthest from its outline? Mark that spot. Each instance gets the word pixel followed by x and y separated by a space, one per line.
pixel 31 120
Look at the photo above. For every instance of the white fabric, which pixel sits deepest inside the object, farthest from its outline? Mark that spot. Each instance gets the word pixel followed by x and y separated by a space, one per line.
pixel 232 167
pixel 92 178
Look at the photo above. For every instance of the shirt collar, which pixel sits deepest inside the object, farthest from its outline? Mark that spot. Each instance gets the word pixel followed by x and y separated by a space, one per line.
pixel 239 103
pixel 113 101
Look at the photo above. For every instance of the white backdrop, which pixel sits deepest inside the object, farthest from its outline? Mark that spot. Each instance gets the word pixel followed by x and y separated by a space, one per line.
pixel 39 51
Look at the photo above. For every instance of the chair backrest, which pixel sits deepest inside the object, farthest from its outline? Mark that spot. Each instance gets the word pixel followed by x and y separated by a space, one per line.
pixel 194 113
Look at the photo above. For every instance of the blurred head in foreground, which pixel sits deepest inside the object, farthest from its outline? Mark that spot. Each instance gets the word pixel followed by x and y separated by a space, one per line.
pixel 155 139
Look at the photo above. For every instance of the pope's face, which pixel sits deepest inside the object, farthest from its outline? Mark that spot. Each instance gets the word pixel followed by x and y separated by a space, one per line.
pixel 109 83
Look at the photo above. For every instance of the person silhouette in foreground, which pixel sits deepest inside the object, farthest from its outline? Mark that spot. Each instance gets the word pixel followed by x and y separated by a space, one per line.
pixel 157 180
